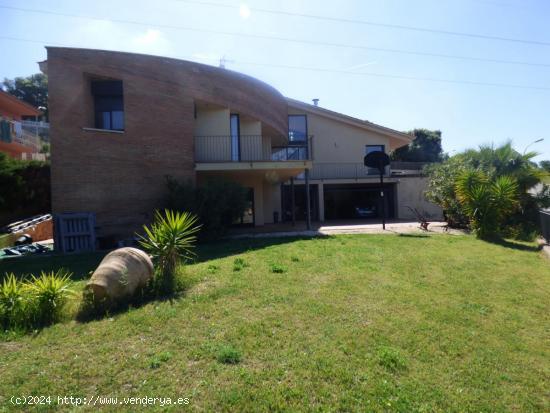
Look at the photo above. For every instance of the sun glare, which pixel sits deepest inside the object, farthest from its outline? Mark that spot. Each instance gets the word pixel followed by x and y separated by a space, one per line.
pixel 244 11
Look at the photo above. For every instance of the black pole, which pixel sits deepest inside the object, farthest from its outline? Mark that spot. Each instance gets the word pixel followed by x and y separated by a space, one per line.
pixel 308 206
pixel 292 202
pixel 383 199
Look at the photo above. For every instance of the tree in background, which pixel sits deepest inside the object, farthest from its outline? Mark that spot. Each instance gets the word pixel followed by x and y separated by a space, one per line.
pixel 493 163
pixel 24 188
pixel 426 147
pixel 545 165
pixel 32 89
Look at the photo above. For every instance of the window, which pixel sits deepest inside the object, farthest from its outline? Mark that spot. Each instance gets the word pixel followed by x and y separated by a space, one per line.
pixel 108 104
pixel 373 148
pixel 234 124
pixel 297 128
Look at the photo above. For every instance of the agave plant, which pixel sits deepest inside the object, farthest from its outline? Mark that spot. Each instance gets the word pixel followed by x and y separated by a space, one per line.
pixel 12 302
pixel 48 295
pixel 487 202
pixel 169 240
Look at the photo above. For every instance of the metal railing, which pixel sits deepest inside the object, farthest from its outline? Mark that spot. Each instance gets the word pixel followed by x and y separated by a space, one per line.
pixel 545 225
pixel 408 166
pixel 37 128
pixel 28 133
pixel 247 148
pixel 343 170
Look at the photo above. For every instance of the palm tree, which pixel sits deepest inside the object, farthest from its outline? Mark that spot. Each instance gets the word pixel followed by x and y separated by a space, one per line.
pixel 487 202
pixel 169 240
pixel 504 160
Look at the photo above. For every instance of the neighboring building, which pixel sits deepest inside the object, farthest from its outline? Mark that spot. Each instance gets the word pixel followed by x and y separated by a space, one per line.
pixel 122 122
pixel 19 128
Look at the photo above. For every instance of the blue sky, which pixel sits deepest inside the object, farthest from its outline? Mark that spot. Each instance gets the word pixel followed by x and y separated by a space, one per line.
pixel 467 114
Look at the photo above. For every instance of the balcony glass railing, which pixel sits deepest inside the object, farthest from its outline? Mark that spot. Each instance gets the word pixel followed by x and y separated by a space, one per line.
pixel 248 148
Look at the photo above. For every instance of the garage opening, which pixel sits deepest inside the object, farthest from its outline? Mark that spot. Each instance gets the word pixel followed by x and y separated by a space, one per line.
pixel 358 201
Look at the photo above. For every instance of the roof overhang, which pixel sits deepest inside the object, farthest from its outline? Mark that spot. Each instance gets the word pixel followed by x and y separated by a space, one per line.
pixel 17 106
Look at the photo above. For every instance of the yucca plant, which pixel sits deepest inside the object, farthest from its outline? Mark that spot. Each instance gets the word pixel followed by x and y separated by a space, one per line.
pixel 169 240
pixel 48 295
pixel 13 302
pixel 487 202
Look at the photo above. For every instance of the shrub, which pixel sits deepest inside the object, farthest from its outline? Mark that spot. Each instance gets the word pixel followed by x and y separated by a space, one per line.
pixel 487 203
pixel 48 295
pixel 493 163
pixel 169 240
pixel 228 354
pixel 441 189
pixel 217 203
pixel 29 188
pixel 13 303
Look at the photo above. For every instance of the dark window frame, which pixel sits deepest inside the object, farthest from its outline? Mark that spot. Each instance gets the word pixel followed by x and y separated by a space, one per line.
pixel 101 96
pixel 373 146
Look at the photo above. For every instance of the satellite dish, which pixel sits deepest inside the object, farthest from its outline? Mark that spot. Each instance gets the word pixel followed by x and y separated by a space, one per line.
pixel 378 160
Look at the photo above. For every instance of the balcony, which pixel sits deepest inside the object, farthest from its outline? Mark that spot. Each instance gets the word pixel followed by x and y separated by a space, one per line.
pixel 249 148
pixel 343 170
pixel 29 134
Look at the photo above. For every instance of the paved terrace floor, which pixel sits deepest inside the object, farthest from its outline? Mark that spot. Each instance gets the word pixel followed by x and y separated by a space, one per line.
pixel 338 227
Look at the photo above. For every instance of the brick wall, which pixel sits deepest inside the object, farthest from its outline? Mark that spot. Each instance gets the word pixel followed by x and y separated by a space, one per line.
pixel 120 176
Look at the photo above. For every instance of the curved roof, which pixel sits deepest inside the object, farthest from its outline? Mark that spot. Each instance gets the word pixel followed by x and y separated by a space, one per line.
pixel 239 92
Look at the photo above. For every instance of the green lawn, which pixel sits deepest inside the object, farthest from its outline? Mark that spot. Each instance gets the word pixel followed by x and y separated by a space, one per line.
pixel 347 323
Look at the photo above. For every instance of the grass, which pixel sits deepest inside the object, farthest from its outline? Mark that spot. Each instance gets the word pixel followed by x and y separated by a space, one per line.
pixel 377 323
pixel 228 354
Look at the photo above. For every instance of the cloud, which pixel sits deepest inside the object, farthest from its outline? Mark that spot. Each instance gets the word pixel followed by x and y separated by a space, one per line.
pixel 103 34
pixel 148 38
pixel 152 41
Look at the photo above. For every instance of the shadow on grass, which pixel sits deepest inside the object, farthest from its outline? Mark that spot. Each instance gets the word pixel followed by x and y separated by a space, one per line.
pixel 413 235
pixel 93 311
pixel 79 264
pixel 516 245
pixel 228 247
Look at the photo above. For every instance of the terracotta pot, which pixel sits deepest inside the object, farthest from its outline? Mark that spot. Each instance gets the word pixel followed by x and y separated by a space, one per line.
pixel 120 274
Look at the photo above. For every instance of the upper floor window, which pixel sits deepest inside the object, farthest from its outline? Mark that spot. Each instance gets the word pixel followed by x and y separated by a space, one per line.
pixel 297 128
pixel 108 104
pixel 373 148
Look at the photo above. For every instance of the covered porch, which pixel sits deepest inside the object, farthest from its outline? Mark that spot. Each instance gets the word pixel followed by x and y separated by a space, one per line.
pixel 264 180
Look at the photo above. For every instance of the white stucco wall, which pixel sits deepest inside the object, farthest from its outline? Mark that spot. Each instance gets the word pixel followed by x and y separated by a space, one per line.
pixel 339 142
pixel 410 192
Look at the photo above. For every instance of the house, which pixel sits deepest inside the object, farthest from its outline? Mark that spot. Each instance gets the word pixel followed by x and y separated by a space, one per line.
pixel 121 122
pixel 19 129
